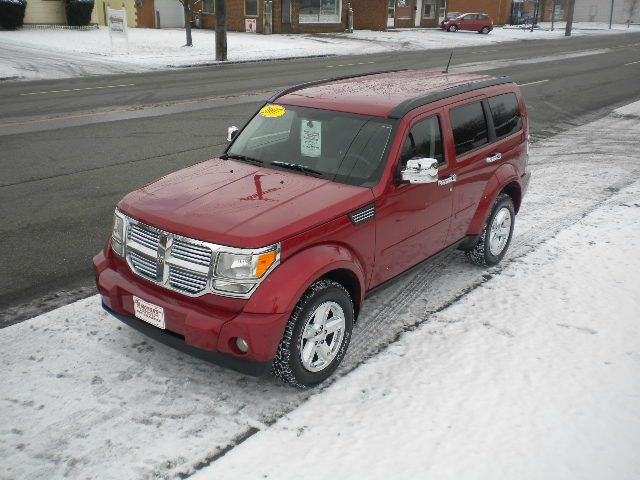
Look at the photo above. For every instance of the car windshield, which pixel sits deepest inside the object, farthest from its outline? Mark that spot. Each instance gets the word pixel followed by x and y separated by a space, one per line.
pixel 342 147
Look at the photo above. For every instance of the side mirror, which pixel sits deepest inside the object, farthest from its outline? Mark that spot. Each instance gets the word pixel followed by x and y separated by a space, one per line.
pixel 232 132
pixel 420 170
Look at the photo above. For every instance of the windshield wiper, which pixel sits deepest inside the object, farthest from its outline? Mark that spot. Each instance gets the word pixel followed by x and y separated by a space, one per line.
pixel 242 158
pixel 298 168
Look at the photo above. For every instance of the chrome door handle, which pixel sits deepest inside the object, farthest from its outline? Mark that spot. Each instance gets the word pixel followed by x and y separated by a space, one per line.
pixel 493 158
pixel 447 181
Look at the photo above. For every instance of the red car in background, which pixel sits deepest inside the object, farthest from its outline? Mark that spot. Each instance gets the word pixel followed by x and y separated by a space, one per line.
pixel 475 22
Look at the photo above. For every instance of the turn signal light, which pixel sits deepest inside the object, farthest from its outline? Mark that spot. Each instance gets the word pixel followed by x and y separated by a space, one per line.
pixel 264 262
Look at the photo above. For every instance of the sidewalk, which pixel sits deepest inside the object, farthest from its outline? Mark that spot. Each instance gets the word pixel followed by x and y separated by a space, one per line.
pixel 41 54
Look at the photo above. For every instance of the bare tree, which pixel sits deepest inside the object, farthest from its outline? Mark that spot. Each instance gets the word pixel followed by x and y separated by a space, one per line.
pixel 187 8
pixel 570 7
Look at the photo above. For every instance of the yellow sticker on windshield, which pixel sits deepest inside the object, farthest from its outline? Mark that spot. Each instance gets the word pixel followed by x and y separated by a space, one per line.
pixel 272 111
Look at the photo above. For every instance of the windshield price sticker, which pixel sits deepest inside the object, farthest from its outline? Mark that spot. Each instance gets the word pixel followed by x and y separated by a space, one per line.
pixel 311 138
pixel 271 111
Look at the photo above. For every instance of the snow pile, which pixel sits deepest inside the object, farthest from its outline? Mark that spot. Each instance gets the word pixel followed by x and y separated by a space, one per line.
pixel 536 374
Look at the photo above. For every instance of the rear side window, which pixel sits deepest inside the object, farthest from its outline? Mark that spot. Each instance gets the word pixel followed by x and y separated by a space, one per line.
pixel 483 17
pixel 469 127
pixel 506 114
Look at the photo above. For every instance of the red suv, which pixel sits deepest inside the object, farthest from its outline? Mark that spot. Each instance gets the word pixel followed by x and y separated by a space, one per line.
pixel 265 254
pixel 476 22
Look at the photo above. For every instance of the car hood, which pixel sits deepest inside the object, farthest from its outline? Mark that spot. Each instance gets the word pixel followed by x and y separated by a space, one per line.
pixel 241 205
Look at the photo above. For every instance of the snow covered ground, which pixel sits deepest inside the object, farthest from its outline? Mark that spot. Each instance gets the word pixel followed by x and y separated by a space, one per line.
pixel 39 54
pixel 530 369
pixel 533 375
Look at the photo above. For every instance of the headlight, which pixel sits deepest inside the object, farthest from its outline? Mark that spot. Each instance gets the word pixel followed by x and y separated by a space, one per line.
pixel 246 266
pixel 117 234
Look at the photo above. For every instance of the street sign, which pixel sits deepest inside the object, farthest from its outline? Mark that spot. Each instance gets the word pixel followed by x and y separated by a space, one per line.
pixel 250 25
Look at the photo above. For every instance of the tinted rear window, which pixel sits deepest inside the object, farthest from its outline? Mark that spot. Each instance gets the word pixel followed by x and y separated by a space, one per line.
pixel 469 127
pixel 506 114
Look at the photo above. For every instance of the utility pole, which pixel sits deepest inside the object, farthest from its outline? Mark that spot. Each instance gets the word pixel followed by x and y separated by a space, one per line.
pixel 611 15
pixel 553 15
pixel 221 30
pixel 567 31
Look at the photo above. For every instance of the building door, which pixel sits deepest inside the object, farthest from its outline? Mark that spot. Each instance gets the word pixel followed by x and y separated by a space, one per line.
pixel 391 13
pixel 404 10
pixel 286 16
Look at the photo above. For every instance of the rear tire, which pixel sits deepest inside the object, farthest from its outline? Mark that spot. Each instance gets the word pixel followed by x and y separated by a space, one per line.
pixel 485 30
pixel 316 337
pixel 496 235
pixel 452 29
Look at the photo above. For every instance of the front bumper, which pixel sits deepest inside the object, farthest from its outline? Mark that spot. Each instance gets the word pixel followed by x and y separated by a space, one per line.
pixel 203 326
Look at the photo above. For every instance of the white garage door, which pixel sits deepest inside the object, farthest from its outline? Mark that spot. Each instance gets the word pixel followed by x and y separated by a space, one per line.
pixel 171 13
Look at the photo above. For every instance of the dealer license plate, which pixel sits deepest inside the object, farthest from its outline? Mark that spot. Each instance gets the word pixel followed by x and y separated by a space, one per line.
pixel 149 312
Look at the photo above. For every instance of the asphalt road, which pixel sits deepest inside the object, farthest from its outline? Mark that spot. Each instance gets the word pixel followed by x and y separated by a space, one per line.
pixel 70 149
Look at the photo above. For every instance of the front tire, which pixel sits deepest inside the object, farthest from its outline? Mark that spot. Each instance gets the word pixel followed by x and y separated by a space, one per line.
pixel 317 335
pixel 496 235
pixel 453 29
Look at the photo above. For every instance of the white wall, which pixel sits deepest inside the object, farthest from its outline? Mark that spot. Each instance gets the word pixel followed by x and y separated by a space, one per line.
pixel 599 11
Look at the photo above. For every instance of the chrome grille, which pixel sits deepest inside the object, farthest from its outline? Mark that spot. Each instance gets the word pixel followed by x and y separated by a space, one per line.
pixel 144 265
pixel 187 281
pixel 181 264
pixel 144 236
pixel 191 252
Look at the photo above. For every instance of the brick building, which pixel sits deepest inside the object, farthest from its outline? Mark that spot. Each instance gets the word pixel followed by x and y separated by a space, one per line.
pixel 289 16
pixel 297 16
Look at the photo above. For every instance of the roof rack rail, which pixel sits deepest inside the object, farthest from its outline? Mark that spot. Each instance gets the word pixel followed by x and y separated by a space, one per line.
pixel 408 105
pixel 327 80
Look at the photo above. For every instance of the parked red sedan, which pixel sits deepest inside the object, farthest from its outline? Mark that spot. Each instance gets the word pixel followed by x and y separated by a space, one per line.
pixel 476 22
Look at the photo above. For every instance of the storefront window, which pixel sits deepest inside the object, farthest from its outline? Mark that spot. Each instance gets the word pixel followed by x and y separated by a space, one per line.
pixel 429 9
pixel 320 11
pixel 251 8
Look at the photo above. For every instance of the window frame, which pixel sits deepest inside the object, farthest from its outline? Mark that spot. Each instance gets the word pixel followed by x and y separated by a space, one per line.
pixel 251 15
pixel 329 19
pixel 412 122
pixel 433 9
pixel 495 133
pixel 491 134
pixel 209 12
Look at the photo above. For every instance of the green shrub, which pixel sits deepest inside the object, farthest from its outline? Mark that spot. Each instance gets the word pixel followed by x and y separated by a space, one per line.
pixel 12 13
pixel 78 12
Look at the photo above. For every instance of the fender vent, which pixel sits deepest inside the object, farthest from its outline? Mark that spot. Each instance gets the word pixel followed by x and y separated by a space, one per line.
pixel 363 214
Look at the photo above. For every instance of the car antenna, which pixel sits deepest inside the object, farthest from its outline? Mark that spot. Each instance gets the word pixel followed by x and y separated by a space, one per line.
pixel 446 70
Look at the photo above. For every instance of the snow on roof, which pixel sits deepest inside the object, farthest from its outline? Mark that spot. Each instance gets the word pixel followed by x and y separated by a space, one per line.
pixel 376 94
